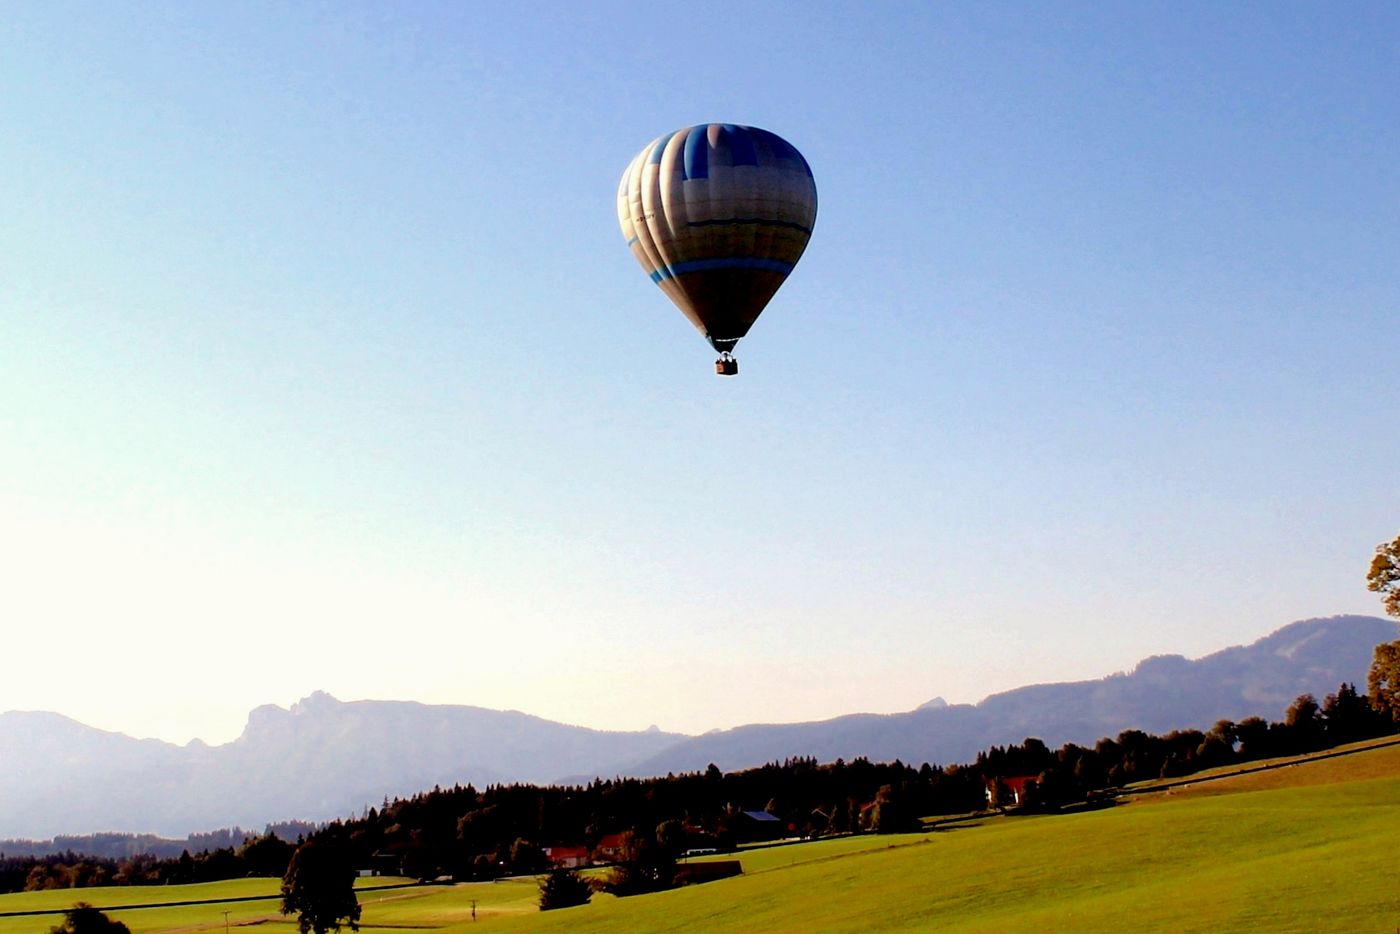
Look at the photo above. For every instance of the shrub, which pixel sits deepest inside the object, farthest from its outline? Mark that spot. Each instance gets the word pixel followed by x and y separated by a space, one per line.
pixel 563 888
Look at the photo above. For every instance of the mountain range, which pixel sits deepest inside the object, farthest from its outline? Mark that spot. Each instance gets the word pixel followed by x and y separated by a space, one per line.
pixel 324 758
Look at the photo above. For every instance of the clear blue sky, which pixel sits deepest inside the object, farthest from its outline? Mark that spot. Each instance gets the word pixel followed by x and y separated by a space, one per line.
pixel 323 364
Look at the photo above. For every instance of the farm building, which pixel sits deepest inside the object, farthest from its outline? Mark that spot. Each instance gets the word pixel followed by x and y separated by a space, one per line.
pixel 609 849
pixel 1016 789
pixel 567 857
pixel 758 825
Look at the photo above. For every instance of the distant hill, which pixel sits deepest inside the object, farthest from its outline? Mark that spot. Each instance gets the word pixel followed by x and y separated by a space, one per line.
pixel 1162 693
pixel 323 759
pixel 319 760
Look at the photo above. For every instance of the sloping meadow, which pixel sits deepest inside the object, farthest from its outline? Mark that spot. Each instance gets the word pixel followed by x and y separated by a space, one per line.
pixel 1305 852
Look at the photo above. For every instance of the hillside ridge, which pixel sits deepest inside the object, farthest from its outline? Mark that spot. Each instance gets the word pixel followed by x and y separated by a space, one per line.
pixel 324 758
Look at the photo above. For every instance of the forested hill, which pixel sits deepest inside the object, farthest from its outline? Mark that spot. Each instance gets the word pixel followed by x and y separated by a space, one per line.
pixel 324 759
pixel 1162 693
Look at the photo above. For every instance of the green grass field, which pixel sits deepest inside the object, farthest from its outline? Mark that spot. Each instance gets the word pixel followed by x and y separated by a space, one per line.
pixel 1298 848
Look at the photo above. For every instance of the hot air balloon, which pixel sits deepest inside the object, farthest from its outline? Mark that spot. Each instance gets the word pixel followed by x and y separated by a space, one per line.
pixel 718 215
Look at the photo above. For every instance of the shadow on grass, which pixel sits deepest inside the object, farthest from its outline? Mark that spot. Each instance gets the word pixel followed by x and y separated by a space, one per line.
pixel 1096 804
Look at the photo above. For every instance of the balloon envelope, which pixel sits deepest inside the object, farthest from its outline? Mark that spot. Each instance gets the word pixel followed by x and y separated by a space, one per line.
pixel 718 215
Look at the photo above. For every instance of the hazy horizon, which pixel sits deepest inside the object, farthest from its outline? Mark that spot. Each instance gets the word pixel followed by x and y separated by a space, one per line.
pixel 290 706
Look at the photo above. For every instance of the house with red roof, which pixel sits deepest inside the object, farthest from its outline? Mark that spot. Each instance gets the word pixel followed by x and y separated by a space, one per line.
pixel 609 849
pixel 567 857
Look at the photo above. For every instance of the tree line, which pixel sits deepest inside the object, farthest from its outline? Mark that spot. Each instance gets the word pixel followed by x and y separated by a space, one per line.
pixel 266 854
pixel 117 846
pixel 467 833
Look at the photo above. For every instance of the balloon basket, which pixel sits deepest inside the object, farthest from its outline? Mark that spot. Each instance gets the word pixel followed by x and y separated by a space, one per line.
pixel 726 365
